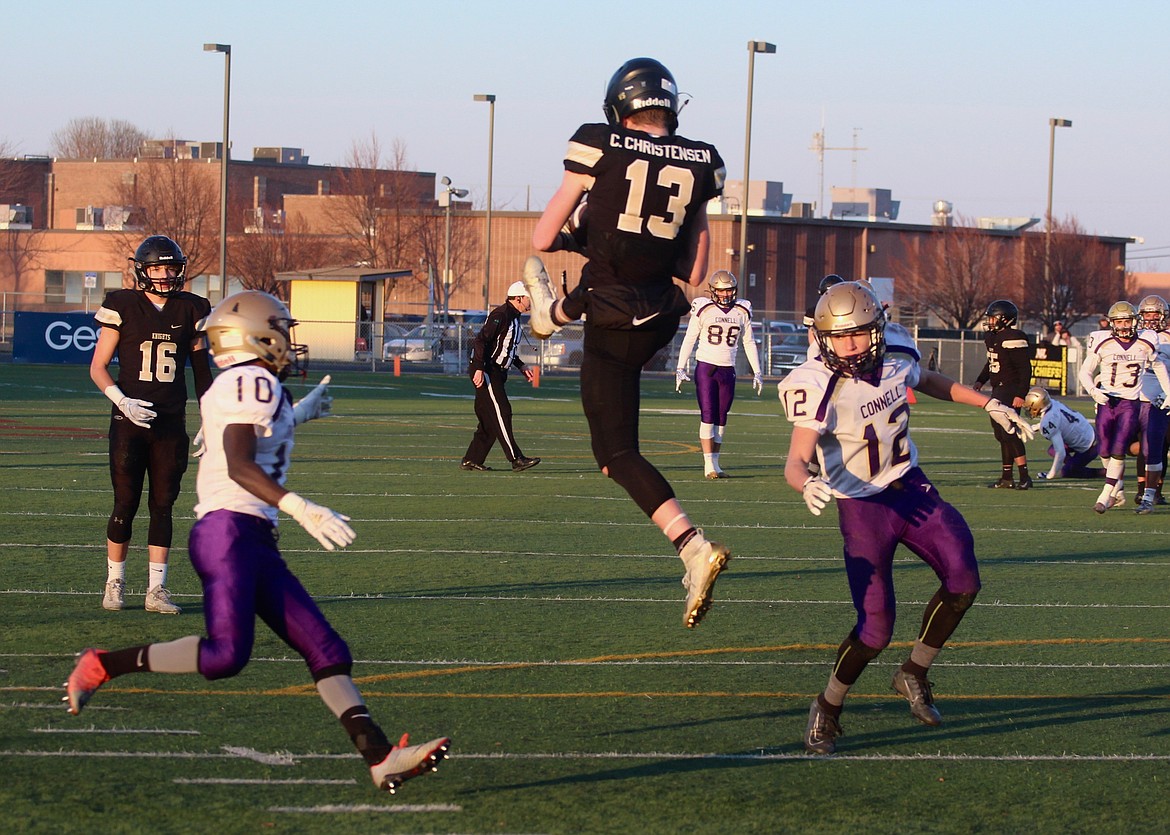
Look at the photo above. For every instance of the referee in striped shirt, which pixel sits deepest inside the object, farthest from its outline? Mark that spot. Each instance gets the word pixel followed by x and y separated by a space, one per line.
pixel 493 352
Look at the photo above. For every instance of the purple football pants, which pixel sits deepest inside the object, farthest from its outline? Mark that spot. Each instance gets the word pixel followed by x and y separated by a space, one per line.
pixel 243 577
pixel 1117 424
pixel 715 387
pixel 912 513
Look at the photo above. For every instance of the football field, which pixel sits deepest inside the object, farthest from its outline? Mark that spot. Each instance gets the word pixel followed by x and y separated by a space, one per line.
pixel 536 619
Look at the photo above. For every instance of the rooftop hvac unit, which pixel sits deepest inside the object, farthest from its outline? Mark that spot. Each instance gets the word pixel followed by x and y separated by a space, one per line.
pixel 89 218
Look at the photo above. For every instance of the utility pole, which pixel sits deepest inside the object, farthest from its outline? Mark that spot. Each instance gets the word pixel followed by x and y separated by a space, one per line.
pixel 818 145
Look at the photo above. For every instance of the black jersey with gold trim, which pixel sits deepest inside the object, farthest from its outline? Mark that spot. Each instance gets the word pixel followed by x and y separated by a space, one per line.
pixel 153 344
pixel 646 193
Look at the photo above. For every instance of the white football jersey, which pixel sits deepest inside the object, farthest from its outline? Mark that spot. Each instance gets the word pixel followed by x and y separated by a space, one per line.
pixel 243 394
pixel 1070 428
pixel 719 334
pixel 1114 367
pixel 864 429
pixel 1151 388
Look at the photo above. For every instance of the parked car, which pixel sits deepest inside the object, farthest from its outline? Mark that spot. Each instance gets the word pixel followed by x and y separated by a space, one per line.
pixel 788 352
pixel 564 349
pixel 423 344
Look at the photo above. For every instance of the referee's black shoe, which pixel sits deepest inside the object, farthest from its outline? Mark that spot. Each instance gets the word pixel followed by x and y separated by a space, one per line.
pixel 521 464
pixel 471 465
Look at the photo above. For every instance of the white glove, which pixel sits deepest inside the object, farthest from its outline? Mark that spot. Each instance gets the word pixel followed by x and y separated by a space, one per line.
pixel 1012 423
pixel 758 383
pixel 197 442
pixel 816 493
pixel 680 377
pixel 326 526
pixel 137 412
pixel 1099 396
pixel 316 404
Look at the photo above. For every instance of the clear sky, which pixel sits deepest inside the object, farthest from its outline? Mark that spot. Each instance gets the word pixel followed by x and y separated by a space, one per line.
pixel 950 99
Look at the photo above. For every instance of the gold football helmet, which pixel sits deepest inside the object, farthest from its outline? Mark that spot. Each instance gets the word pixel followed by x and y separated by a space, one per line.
pixel 1037 402
pixel 1123 318
pixel 723 285
pixel 1153 311
pixel 850 308
pixel 252 325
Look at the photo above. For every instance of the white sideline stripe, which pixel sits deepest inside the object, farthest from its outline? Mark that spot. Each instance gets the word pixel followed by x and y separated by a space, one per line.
pixel 333 809
pixel 241 781
pixel 652 755
pixel 275 758
pixel 95 730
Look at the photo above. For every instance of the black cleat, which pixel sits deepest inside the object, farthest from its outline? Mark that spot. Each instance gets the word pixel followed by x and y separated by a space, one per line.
pixel 1024 483
pixel 1004 484
pixel 471 466
pixel 521 464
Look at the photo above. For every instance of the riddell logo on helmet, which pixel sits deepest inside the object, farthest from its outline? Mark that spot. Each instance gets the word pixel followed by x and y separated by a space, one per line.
pixel 652 102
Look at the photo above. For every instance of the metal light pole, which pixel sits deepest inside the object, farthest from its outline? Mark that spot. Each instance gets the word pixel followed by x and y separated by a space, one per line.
pixel 1053 124
pixel 753 48
pixel 487 266
pixel 445 203
pixel 226 49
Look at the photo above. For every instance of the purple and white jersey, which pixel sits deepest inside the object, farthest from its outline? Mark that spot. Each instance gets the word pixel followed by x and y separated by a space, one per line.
pixel 1116 367
pixel 1151 388
pixel 864 428
pixel 719 332
pixel 243 394
pixel 1066 428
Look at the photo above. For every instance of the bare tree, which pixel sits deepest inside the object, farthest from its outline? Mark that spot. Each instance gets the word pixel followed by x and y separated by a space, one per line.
pixel 377 209
pixel 464 255
pixel 1083 278
pixel 956 271
pixel 20 253
pixel 257 257
pixel 94 138
pixel 177 198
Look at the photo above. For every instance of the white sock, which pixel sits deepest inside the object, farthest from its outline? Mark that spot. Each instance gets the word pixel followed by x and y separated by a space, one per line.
pixel 709 462
pixel 115 570
pixel 158 574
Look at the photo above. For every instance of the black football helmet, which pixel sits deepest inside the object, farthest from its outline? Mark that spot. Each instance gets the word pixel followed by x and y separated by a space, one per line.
pixel 638 84
pixel 1000 314
pixel 828 281
pixel 850 308
pixel 159 250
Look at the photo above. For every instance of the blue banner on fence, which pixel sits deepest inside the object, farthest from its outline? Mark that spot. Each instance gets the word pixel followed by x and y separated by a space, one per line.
pixel 54 337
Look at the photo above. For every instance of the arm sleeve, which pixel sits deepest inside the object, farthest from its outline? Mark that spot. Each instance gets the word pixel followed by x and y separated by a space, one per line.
pixel 688 343
pixel 750 349
pixel 1058 454
pixel 201 369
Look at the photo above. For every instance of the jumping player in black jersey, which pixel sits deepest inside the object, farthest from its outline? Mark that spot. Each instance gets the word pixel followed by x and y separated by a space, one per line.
pixel 152 331
pixel 645 224
pixel 1009 369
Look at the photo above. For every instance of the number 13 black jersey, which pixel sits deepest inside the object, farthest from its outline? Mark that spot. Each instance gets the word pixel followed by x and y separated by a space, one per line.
pixel 153 344
pixel 646 193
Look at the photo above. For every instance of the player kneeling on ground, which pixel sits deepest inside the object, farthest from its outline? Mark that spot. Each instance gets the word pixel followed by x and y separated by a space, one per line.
pixel 849 409
pixel 248 421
